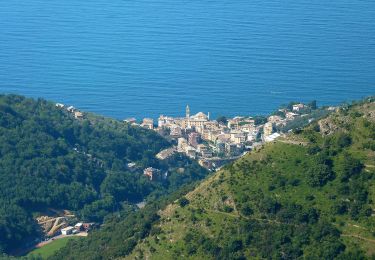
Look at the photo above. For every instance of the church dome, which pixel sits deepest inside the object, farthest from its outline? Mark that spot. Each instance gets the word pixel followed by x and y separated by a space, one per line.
pixel 200 115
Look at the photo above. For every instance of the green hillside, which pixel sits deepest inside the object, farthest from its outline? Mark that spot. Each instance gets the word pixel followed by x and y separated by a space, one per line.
pixel 48 250
pixel 50 159
pixel 308 195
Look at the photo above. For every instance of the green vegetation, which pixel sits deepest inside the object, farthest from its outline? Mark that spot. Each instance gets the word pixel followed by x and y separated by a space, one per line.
pixel 120 233
pixel 49 249
pixel 222 120
pixel 311 200
pixel 310 195
pixel 49 159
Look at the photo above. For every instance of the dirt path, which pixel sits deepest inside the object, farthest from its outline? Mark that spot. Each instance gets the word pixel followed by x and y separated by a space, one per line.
pixel 249 218
pixel 293 142
pixel 41 244
pixel 359 237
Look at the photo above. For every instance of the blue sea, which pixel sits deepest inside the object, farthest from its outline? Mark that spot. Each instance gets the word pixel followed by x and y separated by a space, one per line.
pixel 143 58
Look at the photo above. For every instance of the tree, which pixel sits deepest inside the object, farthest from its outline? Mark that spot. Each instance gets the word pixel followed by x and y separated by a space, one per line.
pixel 222 119
pixel 183 202
pixel 319 175
pixel 313 105
pixel 343 140
pixel 348 166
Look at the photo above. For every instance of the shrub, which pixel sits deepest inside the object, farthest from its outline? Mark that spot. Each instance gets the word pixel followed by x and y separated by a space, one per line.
pixel 183 202
pixel 228 209
pixel 343 140
pixel 247 210
pixel 319 175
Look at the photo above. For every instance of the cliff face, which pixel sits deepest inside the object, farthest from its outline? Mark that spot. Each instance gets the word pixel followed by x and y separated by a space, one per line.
pixel 283 201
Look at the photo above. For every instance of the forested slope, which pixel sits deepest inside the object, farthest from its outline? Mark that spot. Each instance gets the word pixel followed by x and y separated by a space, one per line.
pixel 49 159
pixel 310 195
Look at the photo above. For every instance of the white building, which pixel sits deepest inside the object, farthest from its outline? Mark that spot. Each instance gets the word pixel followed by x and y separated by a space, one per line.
pixel 148 123
pixel 71 109
pixel 78 115
pixel 298 107
pixel 67 230
pixel 165 121
pixel 79 226
pixel 181 144
pixel 131 120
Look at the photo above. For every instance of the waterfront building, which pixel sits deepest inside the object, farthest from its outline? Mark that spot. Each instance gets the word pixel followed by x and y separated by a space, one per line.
pixel 78 115
pixel 130 120
pixel 164 121
pixel 148 123
pixel 298 107
pixel 197 120
pixel 71 109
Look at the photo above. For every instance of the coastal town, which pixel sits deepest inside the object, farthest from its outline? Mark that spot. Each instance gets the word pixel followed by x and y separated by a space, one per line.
pixel 213 143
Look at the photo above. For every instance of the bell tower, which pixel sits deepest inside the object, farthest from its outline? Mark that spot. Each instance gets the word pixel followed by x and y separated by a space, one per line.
pixel 187 112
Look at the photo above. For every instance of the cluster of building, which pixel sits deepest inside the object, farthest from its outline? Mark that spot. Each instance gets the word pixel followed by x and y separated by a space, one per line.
pixel 79 227
pixel 77 114
pixel 212 142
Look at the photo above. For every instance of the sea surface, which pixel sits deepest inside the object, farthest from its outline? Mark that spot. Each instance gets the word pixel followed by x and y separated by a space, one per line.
pixel 144 58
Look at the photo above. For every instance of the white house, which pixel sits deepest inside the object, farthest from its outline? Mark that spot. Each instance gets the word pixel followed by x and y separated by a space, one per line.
pixel 67 230
pixel 298 107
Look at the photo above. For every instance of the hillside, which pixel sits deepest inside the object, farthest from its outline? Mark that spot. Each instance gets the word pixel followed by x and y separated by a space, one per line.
pixel 52 160
pixel 309 195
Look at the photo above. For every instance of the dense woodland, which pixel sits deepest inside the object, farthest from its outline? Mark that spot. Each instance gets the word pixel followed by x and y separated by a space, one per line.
pixel 49 159
pixel 309 196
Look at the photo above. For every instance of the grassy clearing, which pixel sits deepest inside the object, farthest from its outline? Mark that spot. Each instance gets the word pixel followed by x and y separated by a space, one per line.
pixel 51 248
